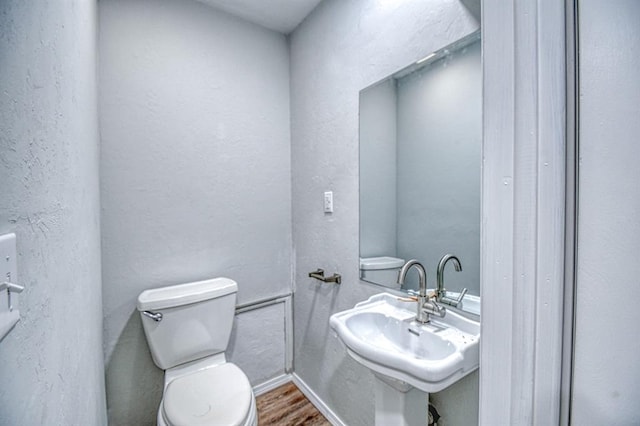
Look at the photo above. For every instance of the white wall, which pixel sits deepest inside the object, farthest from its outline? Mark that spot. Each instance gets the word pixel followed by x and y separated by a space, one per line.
pixel 257 344
pixel 439 156
pixel 607 329
pixel 337 51
pixel 195 172
pixel 51 366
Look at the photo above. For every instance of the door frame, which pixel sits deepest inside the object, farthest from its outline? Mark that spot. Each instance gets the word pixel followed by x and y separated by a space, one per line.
pixel 526 249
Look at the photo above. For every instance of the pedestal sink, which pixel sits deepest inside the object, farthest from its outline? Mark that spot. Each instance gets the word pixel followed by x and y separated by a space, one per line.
pixel 409 359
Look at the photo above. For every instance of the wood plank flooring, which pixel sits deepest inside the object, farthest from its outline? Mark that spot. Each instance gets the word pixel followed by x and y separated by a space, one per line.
pixel 287 406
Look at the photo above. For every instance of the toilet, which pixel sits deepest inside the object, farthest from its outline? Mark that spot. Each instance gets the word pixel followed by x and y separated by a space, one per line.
pixel 187 328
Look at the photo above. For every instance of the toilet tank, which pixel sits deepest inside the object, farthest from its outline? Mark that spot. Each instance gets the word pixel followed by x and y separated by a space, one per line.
pixel 381 270
pixel 196 320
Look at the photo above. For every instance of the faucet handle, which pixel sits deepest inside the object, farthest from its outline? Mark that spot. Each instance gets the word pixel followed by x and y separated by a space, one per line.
pixel 455 302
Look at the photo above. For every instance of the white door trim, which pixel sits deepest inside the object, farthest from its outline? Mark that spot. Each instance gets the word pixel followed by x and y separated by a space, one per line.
pixel 523 211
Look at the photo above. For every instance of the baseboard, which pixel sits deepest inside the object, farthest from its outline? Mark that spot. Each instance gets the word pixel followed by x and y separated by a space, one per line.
pixel 316 401
pixel 271 384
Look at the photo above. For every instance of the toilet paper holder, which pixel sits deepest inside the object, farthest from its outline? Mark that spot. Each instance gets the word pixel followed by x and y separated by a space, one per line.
pixel 318 274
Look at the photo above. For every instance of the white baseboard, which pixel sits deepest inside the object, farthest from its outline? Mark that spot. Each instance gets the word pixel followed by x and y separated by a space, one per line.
pixel 316 401
pixel 271 384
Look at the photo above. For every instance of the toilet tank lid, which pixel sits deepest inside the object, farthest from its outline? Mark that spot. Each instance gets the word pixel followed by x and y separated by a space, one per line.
pixel 382 262
pixel 184 294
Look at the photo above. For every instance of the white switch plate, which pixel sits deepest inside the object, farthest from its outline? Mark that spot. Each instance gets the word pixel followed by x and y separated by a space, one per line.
pixel 328 202
pixel 8 273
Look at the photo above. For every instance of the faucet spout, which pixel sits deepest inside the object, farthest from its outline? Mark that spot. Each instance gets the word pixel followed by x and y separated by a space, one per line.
pixel 425 306
pixel 441 292
pixel 422 275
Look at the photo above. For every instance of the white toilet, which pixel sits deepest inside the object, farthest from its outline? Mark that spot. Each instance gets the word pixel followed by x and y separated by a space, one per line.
pixel 188 328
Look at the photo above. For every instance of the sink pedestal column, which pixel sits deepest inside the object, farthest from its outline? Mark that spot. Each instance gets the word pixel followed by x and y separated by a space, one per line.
pixel 400 404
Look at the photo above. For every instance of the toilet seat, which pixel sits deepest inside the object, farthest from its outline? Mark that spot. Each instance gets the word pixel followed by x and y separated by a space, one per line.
pixel 219 395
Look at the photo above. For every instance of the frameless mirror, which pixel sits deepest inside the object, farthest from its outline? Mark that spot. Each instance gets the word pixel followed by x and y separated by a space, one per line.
pixel 420 154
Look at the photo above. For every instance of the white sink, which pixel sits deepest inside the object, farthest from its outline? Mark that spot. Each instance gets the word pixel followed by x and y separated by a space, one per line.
pixel 381 334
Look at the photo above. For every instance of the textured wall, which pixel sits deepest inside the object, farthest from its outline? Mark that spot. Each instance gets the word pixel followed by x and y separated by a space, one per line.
pixel 52 362
pixel 195 170
pixel 606 370
pixel 340 49
pixel 257 343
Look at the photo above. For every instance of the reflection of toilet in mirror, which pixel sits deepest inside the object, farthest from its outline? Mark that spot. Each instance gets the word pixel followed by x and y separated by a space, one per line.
pixel 188 328
pixel 381 270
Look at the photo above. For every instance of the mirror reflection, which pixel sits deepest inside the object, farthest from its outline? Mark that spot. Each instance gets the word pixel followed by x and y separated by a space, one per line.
pixel 420 154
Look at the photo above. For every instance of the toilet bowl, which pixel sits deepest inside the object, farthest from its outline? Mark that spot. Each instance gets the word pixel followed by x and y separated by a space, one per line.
pixel 209 395
pixel 187 327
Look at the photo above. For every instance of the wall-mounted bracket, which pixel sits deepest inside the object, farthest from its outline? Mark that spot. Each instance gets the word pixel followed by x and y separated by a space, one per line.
pixel 319 275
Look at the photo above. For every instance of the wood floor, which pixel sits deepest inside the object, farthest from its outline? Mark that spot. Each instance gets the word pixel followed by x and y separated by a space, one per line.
pixel 287 406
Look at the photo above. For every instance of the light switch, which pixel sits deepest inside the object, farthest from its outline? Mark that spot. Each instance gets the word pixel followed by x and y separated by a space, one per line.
pixel 9 314
pixel 328 202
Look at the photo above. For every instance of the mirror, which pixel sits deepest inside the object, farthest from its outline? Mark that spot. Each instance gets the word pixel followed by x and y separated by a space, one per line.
pixel 420 155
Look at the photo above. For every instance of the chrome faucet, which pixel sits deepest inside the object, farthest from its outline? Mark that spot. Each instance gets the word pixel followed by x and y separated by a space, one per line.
pixel 425 305
pixel 441 292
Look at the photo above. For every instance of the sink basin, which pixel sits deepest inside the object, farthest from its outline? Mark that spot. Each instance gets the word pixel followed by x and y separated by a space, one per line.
pixel 381 333
pixel 390 334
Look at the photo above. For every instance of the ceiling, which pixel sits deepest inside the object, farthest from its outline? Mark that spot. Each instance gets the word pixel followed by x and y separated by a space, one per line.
pixel 279 15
